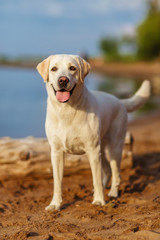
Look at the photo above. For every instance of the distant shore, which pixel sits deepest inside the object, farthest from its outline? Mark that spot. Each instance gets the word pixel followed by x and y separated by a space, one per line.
pixel 136 70
pixel 21 64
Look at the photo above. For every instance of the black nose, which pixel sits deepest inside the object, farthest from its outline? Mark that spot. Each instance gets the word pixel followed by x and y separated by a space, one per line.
pixel 63 81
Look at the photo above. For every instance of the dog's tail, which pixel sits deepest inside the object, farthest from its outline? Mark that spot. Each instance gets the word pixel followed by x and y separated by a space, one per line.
pixel 139 98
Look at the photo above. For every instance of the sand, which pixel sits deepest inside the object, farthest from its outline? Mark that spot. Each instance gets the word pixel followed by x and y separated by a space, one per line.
pixel 134 215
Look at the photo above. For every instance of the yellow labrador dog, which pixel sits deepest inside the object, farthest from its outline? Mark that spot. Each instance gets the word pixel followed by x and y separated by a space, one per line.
pixel 80 121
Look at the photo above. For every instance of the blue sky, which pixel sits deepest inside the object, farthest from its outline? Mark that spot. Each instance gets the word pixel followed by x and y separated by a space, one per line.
pixel 44 27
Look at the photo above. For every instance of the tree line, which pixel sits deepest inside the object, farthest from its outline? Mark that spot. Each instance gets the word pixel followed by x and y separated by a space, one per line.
pixel 145 45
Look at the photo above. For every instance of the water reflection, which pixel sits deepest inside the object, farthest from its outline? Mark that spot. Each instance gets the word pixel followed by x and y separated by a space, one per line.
pixel 121 87
pixel 124 88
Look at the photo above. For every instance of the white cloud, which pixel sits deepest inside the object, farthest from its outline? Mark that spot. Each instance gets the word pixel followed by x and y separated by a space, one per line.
pixel 47 7
pixel 105 6
pixel 123 5
pixel 76 9
pixel 53 8
pixel 70 8
pixel 100 6
pixel 128 29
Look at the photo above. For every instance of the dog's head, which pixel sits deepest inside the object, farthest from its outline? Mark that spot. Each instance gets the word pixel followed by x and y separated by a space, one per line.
pixel 63 73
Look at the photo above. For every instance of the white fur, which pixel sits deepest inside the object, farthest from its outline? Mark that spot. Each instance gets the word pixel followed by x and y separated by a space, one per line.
pixel 90 122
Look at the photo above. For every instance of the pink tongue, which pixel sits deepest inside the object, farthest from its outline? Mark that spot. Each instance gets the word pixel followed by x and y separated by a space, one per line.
pixel 62 96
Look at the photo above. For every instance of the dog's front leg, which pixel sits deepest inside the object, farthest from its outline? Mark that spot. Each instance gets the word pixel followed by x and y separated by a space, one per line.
pixel 57 159
pixel 94 157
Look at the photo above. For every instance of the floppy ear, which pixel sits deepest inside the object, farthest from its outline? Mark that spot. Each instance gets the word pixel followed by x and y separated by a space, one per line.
pixel 84 67
pixel 43 68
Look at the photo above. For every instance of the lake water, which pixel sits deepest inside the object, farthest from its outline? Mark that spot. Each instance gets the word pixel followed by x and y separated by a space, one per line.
pixel 23 99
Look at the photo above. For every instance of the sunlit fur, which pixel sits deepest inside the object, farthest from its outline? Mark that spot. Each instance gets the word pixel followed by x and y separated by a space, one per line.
pixel 90 122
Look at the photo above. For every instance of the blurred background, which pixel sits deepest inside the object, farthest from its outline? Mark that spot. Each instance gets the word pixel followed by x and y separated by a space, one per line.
pixel 121 40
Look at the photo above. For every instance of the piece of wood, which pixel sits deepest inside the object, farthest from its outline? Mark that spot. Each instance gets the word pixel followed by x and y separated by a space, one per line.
pixel 31 156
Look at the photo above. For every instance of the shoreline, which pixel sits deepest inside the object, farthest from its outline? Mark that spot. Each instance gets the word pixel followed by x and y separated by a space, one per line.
pixel 19 65
pixel 137 70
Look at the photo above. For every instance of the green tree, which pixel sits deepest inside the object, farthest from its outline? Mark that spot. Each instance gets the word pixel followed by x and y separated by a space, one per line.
pixel 148 34
pixel 109 47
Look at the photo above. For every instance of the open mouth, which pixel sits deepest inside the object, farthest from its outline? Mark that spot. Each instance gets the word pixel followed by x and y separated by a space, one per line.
pixel 63 95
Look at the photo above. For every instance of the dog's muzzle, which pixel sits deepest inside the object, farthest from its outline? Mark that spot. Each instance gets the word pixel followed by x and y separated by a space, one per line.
pixel 63 95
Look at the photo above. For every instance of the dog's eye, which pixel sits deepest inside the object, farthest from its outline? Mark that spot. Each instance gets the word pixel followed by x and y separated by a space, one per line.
pixel 72 68
pixel 54 69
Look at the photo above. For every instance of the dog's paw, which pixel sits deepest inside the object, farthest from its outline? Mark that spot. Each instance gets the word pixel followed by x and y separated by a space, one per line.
pixel 98 202
pixel 52 207
pixel 113 193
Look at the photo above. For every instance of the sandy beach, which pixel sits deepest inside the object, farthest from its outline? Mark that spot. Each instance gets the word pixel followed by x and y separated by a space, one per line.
pixel 134 215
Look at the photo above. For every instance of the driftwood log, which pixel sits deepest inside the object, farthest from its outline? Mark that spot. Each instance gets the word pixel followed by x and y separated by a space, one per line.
pixel 31 157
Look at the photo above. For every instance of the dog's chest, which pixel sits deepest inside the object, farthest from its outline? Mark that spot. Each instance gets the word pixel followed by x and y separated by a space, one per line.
pixel 70 134
pixel 72 143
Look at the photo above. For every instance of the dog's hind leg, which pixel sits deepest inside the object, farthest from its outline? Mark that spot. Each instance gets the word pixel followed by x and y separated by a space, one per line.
pixel 106 169
pixel 115 153
pixel 115 144
pixel 115 158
